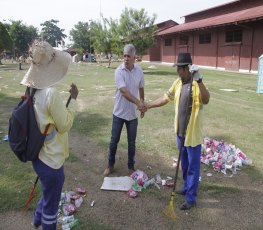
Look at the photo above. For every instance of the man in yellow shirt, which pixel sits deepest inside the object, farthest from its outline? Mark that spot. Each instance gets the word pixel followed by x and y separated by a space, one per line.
pixel 188 97
pixel 48 67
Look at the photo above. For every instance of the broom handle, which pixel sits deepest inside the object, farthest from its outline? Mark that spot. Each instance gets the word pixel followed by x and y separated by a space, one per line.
pixel 182 138
pixel 68 101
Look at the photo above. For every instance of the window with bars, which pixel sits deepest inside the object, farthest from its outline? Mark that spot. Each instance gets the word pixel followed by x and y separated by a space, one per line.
pixel 205 38
pixel 233 36
pixel 183 40
pixel 168 42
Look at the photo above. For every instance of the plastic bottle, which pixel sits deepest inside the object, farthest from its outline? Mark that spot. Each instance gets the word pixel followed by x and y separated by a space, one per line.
pixel 78 202
pixel 66 219
pixel 70 225
pixel 148 183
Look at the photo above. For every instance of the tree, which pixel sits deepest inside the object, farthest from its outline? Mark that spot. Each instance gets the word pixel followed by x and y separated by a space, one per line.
pixel 138 28
pixel 5 40
pixel 104 35
pixel 80 36
pixel 52 33
pixel 22 35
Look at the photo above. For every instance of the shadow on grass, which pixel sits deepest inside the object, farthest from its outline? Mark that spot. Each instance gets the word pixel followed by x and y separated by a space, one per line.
pixel 256 175
pixel 214 188
pixel 90 123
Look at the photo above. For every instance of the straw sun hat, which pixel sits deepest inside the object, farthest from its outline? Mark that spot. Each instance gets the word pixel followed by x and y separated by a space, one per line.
pixel 48 66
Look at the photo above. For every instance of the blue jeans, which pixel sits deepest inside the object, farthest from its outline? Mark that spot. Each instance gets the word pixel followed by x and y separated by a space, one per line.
pixel 190 162
pixel 131 126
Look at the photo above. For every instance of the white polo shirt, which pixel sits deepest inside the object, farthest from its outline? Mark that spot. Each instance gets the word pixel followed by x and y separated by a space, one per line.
pixel 132 80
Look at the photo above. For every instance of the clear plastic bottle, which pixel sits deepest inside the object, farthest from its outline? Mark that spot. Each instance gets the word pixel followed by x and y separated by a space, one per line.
pixel 66 219
pixel 148 183
pixel 70 225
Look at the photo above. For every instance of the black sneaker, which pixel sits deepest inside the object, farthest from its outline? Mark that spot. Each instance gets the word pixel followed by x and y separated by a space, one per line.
pixel 180 192
pixel 186 206
pixel 35 226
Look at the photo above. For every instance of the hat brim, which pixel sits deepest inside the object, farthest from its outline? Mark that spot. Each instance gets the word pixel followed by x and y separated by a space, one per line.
pixel 43 76
pixel 181 64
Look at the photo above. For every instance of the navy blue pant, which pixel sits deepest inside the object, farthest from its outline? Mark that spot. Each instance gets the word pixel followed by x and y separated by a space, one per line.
pixel 190 162
pixel 52 181
pixel 131 126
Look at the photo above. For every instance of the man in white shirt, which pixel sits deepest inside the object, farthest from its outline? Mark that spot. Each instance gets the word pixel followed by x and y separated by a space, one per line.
pixel 129 80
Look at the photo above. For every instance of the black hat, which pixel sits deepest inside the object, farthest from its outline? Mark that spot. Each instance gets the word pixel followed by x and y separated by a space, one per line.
pixel 183 59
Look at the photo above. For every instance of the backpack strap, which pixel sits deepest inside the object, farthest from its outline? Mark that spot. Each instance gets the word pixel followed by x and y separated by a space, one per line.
pixel 46 129
pixel 31 94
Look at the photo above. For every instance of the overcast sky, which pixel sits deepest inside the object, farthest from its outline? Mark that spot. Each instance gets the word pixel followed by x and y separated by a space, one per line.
pixel 69 13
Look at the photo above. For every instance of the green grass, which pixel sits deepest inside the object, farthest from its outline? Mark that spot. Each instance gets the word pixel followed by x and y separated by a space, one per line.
pixel 235 117
pixel 216 189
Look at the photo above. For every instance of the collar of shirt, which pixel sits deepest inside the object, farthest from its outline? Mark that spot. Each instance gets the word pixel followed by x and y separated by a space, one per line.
pixel 123 66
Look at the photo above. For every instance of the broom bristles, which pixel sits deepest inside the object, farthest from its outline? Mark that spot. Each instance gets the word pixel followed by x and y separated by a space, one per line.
pixel 169 210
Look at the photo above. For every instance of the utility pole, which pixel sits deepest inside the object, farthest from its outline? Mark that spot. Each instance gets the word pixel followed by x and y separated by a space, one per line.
pixel 90 37
pixel 100 12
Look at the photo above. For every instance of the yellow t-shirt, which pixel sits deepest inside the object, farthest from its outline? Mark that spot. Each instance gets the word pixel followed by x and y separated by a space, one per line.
pixel 50 109
pixel 193 135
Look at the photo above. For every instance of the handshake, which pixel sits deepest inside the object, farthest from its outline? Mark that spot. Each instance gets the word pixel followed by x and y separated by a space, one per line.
pixel 142 107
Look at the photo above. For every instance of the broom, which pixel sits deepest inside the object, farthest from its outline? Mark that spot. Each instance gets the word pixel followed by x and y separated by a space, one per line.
pixel 32 192
pixel 31 195
pixel 169 210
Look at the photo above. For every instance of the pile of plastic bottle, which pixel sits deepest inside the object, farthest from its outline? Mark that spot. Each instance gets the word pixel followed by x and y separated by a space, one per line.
pixel 223 156
pixel 141 181
pixel 69 203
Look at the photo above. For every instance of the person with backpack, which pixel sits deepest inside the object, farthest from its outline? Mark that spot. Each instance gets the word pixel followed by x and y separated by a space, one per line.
pixel 48 67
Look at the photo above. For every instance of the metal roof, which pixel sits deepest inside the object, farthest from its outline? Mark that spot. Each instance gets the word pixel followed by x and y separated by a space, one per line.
pixel 212 8
pixel 253 13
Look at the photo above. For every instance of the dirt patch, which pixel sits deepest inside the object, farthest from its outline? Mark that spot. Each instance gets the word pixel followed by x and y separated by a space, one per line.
pixel 223 202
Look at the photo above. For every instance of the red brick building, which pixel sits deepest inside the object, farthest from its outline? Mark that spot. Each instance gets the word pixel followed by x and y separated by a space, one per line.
pixel 154 53
pixel 227 37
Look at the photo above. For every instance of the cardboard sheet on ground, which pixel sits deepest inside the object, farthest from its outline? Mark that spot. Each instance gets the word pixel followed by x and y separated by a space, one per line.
pixel 117 183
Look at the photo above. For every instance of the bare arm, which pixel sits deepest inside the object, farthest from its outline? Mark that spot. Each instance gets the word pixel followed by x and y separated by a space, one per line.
pixel 157 103
pixel 126 93
pixel 204 93
pixel 141 93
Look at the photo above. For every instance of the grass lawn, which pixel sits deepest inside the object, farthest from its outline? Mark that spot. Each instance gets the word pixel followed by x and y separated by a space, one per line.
pixel 235 117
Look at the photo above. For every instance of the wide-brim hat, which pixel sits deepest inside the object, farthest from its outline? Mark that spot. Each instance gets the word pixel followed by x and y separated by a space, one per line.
pixel 183 59
pixel 48 66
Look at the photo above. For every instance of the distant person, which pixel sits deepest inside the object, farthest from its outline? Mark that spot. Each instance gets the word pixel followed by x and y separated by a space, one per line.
pixel 188 107
pixel 48 67
pixel 129 81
